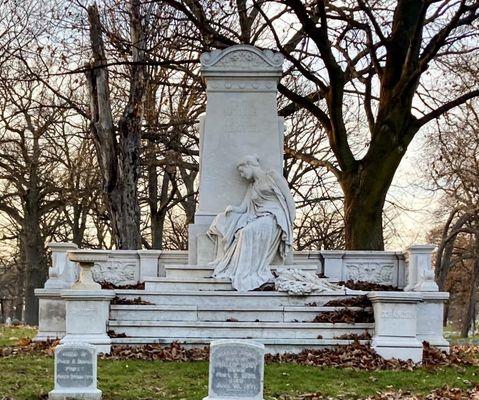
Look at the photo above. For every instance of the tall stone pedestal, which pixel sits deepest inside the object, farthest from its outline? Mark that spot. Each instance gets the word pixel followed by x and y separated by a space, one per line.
pixel 241 119
pixel 87 314
pixel 430 316
pixel 395 317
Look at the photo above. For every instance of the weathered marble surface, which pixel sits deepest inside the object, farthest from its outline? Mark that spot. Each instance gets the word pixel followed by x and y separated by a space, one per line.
pixel 51 318
pixel 63 272
pixel 236 370
pixel 395 325
pixel 87 314
pixel 241 118
pixel 300 283
pixel 250 235
pixel 420 273
pixel 75 372
pixel 383 267
pixel 430 317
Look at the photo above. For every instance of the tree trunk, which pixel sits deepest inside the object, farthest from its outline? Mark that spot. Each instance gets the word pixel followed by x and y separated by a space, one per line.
pixel 119 161
pixel 472 298
pixel 157 222
pixel 35 266
pixel 364 197
pixel 363 220
pixel 20 281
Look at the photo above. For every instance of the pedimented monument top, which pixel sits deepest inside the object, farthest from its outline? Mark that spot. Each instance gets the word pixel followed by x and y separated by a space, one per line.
pixel 242 59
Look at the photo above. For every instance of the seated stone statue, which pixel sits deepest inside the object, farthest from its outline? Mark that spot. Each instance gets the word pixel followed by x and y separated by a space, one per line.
pixel 250 235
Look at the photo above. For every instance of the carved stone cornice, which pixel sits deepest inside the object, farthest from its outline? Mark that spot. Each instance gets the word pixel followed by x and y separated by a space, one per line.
pixel 242 60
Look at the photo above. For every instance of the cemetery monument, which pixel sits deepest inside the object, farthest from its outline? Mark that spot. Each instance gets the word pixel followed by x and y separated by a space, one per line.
pixel 241 240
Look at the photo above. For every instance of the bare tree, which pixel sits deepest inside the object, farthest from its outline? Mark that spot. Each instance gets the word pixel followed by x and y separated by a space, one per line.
pixel 119 158
pixel 354 51
pixel 455 171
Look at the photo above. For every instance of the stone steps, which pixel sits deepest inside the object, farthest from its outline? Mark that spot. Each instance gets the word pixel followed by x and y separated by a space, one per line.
pixel 216 313
pixel 273 346
pixel 238 330
pixel 253 300
pixel 187 284
pixel 180 271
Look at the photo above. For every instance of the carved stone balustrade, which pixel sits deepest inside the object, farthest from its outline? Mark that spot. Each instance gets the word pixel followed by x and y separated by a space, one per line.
pixel 420 272
pixel 382 267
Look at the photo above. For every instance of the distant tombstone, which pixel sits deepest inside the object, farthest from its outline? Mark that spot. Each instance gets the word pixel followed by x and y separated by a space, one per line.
pixel 75 372
pixel 236 370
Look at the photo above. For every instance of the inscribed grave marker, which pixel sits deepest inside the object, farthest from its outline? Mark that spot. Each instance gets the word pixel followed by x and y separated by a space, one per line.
pixel 236 370
pixel 75 372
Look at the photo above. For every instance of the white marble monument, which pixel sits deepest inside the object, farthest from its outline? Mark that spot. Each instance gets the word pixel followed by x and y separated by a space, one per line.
pixel 236 370
pixel 242 230
pixel 241 119
pixel 249 235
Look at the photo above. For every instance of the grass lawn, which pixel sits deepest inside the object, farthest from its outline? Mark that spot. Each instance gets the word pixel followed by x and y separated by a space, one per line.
pixel 31 377
pixel 10 335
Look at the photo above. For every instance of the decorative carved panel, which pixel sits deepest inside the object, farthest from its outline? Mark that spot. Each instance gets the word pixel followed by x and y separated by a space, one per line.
pixel 242 57
pixel 371 272
pixel 116 272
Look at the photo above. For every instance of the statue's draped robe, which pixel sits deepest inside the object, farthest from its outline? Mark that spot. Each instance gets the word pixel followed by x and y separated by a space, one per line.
pixel 247 241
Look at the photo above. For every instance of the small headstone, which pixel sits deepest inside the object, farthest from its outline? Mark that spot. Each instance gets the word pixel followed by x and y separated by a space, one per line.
pixel 75 372
pixel 236 370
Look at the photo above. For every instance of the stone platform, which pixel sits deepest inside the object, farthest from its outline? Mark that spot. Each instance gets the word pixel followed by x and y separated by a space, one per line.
pixel 194 309
pixel 183 303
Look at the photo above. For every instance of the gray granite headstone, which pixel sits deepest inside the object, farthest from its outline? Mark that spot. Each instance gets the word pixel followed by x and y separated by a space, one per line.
pixel 75 372
pixel 236 370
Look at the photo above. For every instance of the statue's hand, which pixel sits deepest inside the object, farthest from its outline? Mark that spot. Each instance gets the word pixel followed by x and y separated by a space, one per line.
pixel 231 209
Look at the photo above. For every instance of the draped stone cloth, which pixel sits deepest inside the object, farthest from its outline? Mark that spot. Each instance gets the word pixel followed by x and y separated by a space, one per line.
pixel 249 236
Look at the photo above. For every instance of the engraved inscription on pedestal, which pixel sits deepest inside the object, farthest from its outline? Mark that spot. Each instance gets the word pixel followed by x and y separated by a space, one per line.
pixel 236 370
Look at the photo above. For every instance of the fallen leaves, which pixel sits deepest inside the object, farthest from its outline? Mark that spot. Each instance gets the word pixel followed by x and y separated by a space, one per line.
pixel 357 301
pixel 354 336
pixel 444 393
pixel 345 315
pixel 27 346
pixel 368 286
pixel 111 333
pixel 109 286
pixel 155 352
pixel 135 301
pixel 354 356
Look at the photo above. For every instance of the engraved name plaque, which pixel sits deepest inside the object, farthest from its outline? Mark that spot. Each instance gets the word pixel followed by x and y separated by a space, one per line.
pixel 75 367
pixel 75 372
pixel 236 370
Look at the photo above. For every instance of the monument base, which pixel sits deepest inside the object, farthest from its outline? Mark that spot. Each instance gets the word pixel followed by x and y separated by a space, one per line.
pixel 232 398
pixel 51 314
pixel 58 394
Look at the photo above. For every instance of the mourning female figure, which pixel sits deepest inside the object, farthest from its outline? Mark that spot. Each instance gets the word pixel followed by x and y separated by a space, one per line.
pixel 249 236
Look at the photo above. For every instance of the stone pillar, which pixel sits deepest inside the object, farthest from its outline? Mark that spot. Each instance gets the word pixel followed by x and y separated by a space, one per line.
pixel 333 265
pixel 395 325
pixel 61 275
pixel 420 272
pixel 430 317
pixel 63 272
pixel 51 314
pixel 241 119
pixel 149 264
pixel 87 305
